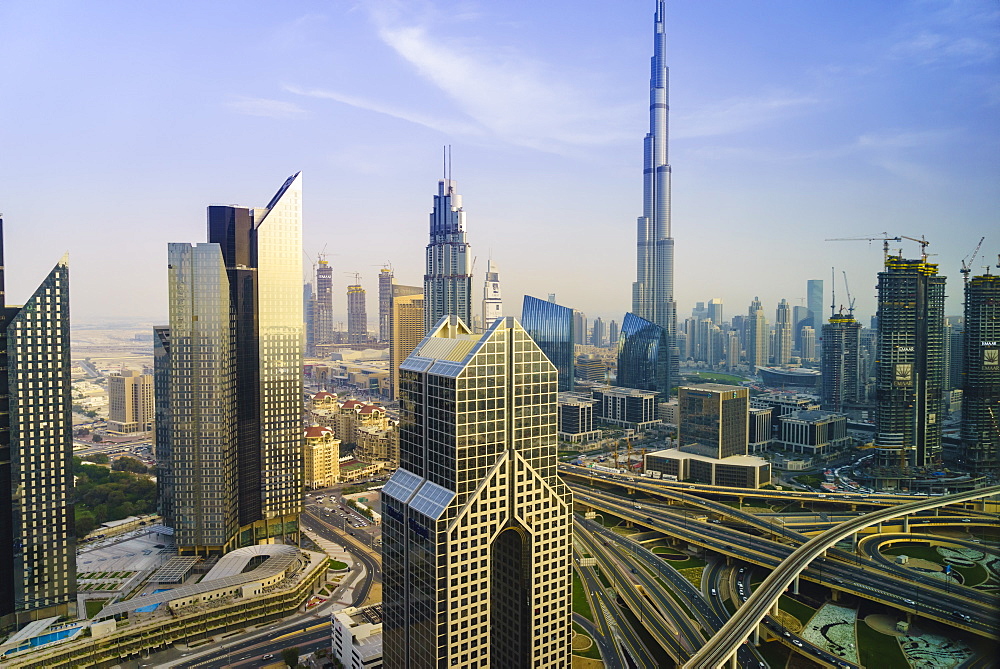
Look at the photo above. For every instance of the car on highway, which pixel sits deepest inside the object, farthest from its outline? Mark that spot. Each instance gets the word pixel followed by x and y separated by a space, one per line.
pixel 797 642
pixel 269 656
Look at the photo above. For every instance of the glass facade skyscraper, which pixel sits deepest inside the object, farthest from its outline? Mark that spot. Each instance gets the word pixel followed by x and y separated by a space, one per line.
pixel 37 537
pixel 981 380
pixel 232 363
pixel 552 327
pixel 653 290
pixel 448 277
pixel 910 364
pixel 643 356
pixel 477 525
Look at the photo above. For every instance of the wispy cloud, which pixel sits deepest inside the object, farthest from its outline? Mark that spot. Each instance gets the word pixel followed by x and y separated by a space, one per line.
pixel 277 109
pixel 928 47
pixel 450 126
pixel 493 92
pixel 504 92
pixel 739 114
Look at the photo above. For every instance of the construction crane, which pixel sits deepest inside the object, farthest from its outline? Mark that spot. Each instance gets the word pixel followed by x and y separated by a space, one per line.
pixel 357 277
pixel 850 300
pixel 885 239
pixel 967 267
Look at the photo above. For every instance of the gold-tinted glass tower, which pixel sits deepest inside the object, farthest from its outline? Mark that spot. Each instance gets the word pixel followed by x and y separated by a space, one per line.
pixel 230 429
pixel 477 526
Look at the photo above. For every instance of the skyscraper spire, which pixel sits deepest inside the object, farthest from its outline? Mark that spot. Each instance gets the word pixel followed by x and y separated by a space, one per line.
pixel 653 290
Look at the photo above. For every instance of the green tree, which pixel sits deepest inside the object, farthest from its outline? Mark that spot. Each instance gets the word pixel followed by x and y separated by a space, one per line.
pixel 99 458
pixel 127 464
pixel 290 656
pixel 97 438
pixel 84 522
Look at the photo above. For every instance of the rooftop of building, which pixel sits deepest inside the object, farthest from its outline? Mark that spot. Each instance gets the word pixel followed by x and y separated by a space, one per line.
pixel 813 415
pixel 713 387
pixel 232 569
pixel 353 615
pixel 741 460
pixel 576 399
pixel 317 431
pixel 618 391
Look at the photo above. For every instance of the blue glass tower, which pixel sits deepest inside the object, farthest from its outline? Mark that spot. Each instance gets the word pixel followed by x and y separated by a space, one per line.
pixel 643 355
pixel 551 326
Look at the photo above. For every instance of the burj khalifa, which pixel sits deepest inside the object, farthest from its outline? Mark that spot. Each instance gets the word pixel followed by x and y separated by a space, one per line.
pixel 653 290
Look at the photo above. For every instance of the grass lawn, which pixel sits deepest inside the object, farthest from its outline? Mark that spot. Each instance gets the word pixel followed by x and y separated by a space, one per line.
pixel 580 603
pixel 337 565
pixel 602 578
pixel 694 575
pixel 689 563
pixel 879 650
pixel 716 377
pixel 971 576
pixel 802 612
pixel 669 552
pixel 594 652
pixel 94 606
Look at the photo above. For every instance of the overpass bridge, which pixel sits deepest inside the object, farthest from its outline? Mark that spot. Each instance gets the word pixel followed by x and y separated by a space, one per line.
pixel 869 580
pixel 721 648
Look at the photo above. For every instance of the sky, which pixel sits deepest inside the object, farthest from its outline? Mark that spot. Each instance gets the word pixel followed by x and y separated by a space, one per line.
pixel 791 122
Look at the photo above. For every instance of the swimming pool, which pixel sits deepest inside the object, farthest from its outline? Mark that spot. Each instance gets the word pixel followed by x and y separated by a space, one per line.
pixel 152 607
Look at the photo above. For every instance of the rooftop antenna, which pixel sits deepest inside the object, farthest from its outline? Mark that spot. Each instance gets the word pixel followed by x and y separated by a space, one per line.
pixel 449 162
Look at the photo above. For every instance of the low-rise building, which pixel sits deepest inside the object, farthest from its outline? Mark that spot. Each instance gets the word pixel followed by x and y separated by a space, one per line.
pixel 357 637
pixel 576 418
pixel 813 432
pixel 737 471
pixel 668 412
pixel 627 407
pixel 784 403
pixel 761 429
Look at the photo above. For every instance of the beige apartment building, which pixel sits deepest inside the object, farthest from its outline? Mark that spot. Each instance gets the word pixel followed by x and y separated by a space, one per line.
pixel 321 456
pixel 130 402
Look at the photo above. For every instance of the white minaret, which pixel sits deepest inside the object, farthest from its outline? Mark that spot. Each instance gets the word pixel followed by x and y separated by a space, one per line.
pixel 492 301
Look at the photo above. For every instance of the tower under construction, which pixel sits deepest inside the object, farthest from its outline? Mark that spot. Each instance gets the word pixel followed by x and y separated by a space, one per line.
pixel 981 378
pixel 910 365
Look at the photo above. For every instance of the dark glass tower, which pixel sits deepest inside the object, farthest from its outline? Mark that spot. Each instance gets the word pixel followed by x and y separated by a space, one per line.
pixel 448 277
pixel 841 365
pixel 981 383
pixel 643 356
pixel 37 537
pixel 910 362
pixel 552 327
pixel 231 362
pixel 477 525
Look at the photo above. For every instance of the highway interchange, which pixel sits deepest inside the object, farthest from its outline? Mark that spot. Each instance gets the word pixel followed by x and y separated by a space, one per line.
pixel 753 539
pixel 647 614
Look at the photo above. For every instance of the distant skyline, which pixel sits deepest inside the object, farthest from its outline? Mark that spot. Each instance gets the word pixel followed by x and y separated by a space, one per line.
pixel 791 122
